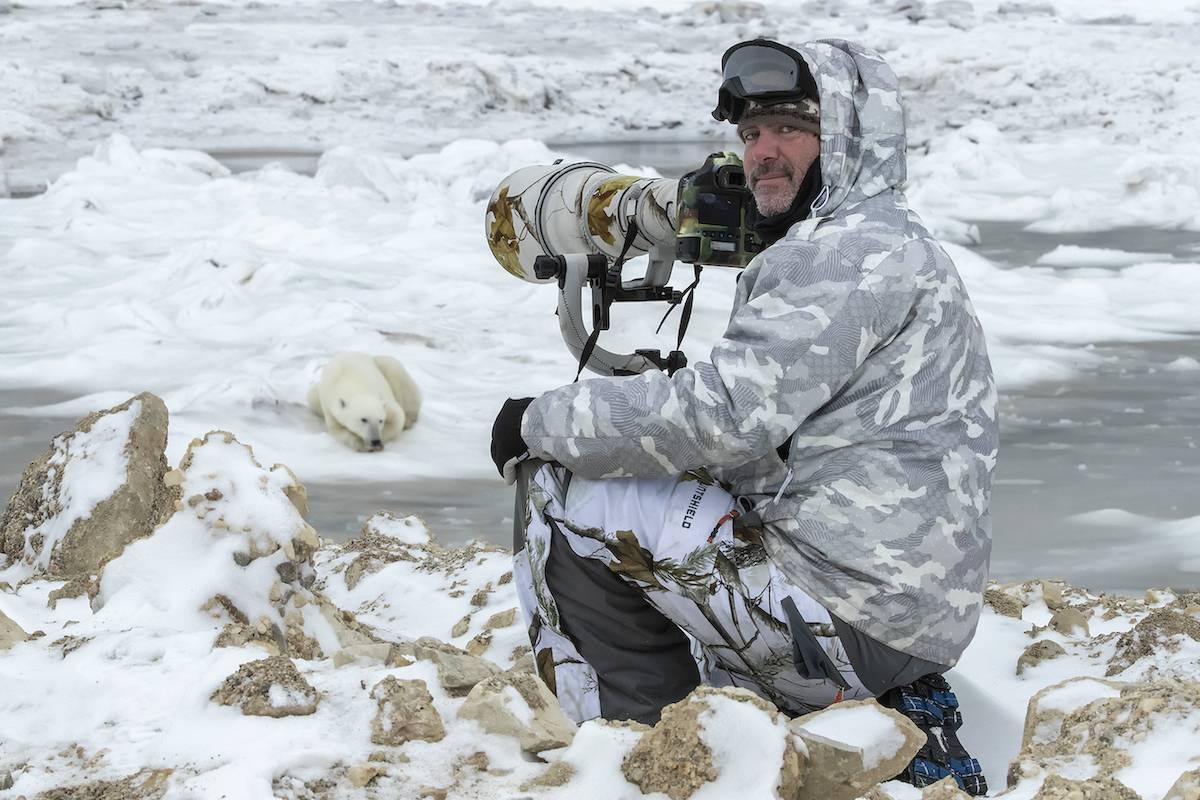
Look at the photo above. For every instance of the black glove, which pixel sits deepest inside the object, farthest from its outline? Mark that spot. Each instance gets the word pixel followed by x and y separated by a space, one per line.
pixel 507 443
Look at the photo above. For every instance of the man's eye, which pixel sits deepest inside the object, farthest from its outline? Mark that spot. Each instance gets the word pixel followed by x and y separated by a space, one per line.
pixel 748 135
pixel 786 129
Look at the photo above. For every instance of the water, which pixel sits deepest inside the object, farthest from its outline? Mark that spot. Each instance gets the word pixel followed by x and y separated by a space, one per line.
pixel 1123 435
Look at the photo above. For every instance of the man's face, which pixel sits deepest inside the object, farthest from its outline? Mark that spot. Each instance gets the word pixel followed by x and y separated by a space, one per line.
pixel 777 156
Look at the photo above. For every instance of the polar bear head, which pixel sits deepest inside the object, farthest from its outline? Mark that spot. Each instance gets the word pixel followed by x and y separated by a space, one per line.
pixel 367 416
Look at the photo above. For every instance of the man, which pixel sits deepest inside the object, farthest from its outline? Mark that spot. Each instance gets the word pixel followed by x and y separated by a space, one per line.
pixel 805 513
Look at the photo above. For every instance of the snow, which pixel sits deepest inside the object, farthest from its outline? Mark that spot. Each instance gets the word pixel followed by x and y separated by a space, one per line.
pixel 595 754
pixel 1076 695
pixel 282 697
pixel 864 727
pixel 747 749
pixel 516 704
pixel 408 530
pixel 1158 759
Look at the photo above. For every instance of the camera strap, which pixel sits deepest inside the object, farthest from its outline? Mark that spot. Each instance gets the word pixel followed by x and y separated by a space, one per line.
pixel 686 315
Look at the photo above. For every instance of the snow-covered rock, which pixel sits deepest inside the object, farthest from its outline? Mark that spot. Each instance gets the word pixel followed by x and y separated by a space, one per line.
pixel 1093 729
pixel 405 712
pixel 269 687
pixel 689 749
pixel 518 704
pixel 238 550
pixel 98 488
pixel 853 745
pixel 1186 788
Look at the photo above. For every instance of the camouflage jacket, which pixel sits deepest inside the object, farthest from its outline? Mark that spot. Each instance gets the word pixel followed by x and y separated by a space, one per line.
pixel 852 337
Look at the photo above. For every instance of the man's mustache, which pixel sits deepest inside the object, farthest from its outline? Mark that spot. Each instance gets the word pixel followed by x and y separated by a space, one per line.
pixel 763 170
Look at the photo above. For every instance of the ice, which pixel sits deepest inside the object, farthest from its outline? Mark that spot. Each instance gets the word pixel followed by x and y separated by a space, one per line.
pixel 1183 364
pixel 1072 256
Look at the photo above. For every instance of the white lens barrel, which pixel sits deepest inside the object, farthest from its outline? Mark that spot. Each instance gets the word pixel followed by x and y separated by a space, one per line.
pixel 580 208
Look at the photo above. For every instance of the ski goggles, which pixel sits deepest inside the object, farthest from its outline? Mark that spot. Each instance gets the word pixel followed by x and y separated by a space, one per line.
pixel 763 71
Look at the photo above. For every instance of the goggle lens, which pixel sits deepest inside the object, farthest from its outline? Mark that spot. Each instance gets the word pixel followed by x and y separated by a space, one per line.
pixel 762 69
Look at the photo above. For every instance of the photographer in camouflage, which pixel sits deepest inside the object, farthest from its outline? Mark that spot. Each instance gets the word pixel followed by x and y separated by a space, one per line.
pixel 810 504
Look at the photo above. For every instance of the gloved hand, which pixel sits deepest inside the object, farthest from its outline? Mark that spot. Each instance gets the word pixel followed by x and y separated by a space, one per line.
pixel 508 448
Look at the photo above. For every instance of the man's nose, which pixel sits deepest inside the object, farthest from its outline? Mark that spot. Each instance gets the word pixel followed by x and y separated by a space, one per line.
pixel 764 148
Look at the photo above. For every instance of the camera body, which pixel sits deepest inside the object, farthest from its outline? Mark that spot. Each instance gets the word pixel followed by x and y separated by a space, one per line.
pixel 715 213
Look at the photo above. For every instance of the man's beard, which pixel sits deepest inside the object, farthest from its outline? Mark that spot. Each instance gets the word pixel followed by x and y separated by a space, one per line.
pixel 776 197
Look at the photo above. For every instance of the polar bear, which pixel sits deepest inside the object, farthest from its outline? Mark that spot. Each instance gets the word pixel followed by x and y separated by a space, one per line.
pixel 366 400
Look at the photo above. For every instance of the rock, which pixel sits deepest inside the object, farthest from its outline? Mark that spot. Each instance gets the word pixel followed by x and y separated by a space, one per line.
pixel 148 784
pixel 1186 788
pixel 674 759
pixel 6 780
pixel 1093 720
pixel 1161 630
pixel 1056 787
pixel 840 768
pixel 405 713
pixel 1038 652
pixel 380 652
pixel 460 627
pixel 557 774
pixel 269 687
pixel 1003 603
pixel 10 632
pixel 361 774
pixel 458 672
pixel 1052 595
pixel 501 619
pixel 480 598
pixel 479 644
pixel 72 529
pixel 945 789
pixel 1069 620
pixel 86 585
pixel 524 663
pixel 519 705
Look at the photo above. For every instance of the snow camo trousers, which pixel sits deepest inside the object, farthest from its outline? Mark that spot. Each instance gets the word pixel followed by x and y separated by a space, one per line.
pixel 666 548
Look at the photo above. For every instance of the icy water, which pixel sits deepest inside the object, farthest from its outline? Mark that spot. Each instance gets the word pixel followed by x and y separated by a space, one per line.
pixel 1125 435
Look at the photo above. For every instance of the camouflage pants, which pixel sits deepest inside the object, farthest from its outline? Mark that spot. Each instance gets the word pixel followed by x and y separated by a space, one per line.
pixel 674 540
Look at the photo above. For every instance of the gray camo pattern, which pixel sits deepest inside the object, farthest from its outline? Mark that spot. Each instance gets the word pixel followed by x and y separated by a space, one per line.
pixel 854 337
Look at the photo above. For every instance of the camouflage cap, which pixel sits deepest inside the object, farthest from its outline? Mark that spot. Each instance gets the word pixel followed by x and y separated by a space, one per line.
pixel 805 113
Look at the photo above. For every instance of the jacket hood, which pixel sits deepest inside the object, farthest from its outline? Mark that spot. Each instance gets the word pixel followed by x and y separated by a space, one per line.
pixel 862 123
